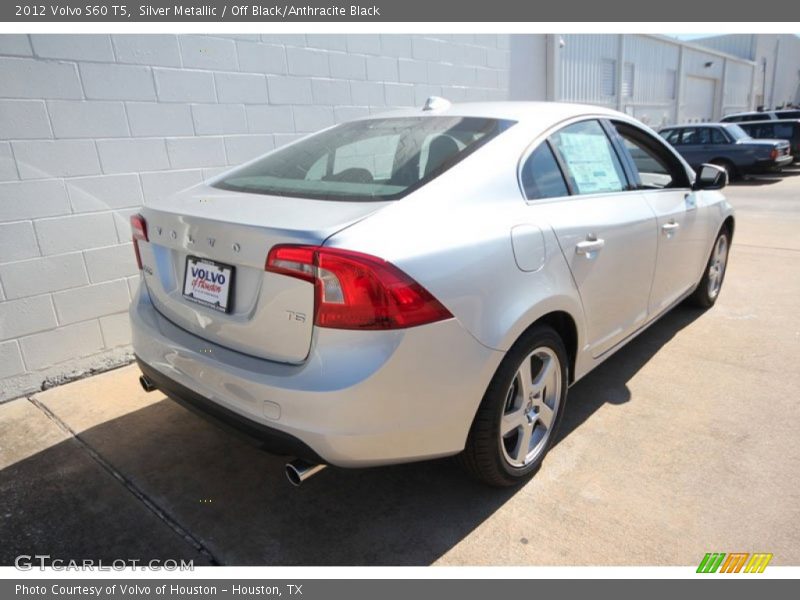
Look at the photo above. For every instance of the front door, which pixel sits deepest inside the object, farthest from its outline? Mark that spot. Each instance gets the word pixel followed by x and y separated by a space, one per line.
pixel 681 233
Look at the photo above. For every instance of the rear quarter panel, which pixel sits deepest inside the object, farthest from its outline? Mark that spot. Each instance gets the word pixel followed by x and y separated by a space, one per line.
pixel 454 237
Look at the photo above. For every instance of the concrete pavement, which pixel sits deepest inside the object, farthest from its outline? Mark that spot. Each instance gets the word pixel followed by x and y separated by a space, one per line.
pixel 683 443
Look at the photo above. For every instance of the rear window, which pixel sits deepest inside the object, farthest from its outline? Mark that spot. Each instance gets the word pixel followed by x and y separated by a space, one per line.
pixel 373 159
pixel 737 133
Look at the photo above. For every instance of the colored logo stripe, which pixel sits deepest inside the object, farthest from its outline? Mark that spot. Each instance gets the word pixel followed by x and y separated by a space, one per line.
pixel 734 562
pixel 711 562
pixel 758 563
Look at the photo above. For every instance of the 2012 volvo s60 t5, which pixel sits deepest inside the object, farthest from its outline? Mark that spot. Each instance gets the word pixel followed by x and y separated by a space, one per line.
pixel 424 283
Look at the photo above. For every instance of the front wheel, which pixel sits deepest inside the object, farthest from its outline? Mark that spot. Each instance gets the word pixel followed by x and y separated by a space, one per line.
pixel 710 285
pixel 516 422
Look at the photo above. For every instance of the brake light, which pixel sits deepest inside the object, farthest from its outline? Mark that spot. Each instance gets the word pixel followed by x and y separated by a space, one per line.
pixel 139 232
pixel 357 291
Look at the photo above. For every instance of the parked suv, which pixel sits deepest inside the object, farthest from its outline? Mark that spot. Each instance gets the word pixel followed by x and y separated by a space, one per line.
pixel 762 115
pixel 783 129
pixel 727 145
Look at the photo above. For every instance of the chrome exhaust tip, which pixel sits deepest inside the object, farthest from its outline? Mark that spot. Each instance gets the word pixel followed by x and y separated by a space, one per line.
pixel 298 471
pixel 147 385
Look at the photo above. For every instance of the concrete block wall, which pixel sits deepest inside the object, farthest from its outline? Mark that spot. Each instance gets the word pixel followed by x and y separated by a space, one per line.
pixel 92 126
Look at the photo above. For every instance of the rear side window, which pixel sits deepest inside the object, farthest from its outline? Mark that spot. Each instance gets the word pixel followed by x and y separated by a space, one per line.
pixel 373 159
pixel 590 160
pixel 541 175
pixel 717 137
pixel 763 131
pixel 784 131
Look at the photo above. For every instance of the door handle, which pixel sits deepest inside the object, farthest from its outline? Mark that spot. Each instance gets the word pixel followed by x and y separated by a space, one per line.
pixel 589 246
pixel 670 227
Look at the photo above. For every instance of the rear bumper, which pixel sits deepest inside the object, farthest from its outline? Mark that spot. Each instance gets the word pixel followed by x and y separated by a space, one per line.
pixel 270 439
pixel 362 398
pixel 774 164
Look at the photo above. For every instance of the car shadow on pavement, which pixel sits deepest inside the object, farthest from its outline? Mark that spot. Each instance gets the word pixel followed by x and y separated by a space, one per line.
pixel 215 498
pixel 757 180
pixel 607 384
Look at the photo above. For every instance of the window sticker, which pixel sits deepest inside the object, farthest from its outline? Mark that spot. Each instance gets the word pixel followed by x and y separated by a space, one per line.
pixel 590 161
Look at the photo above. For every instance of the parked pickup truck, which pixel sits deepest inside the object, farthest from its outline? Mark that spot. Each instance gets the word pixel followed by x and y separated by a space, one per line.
pixel 728 146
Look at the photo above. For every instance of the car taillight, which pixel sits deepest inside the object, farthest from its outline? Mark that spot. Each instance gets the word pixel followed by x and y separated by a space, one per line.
pixel 357 291
pixel 139 232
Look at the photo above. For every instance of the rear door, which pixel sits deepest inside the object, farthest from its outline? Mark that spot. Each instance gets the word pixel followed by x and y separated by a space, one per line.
pixel 607 233
pixel 692 143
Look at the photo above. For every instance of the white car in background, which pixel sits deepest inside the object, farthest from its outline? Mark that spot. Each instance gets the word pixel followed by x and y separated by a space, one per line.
pixel 423 283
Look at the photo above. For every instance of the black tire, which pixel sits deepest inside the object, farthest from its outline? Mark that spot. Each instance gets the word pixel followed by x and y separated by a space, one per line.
pixel 729 167
pixel 483 457
pixel 703 296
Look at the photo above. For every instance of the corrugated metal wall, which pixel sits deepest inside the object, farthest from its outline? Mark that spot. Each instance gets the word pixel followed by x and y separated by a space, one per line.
pixel 737 44
pixel 581 68
pixel 656 64
pixel 738 88
pixel 647 76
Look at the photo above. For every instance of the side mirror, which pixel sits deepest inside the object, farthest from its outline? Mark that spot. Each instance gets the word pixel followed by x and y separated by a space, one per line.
pixel 711 177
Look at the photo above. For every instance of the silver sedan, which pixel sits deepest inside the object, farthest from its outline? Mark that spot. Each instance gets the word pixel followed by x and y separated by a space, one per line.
pixel 423 283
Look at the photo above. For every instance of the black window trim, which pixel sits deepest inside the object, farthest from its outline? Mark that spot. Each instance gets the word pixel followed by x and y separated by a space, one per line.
pixel 605 123
pixel 628 167
pixel 562 167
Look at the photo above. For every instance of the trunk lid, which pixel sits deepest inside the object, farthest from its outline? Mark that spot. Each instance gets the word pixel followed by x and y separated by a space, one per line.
pixel 269 315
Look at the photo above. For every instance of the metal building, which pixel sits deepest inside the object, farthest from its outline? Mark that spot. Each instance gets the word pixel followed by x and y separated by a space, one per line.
pixel 657 79
pixel 777 58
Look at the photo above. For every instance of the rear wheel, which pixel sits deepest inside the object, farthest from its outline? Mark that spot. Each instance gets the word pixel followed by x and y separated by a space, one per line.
pixel 516 423
pixel 730 168
pixel 710 285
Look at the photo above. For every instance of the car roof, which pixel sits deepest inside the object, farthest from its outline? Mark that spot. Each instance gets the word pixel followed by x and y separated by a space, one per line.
pixel 769 121
pixel 522 112
pixel 686 125
pixel 750 112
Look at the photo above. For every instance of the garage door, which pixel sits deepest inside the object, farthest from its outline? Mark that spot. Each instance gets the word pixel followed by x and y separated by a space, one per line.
pixel 699 99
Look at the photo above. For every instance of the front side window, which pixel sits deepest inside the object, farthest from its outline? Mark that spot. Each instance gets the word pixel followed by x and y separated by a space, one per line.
pixel 590 160
pixel 658 168
pixel 541 175
pixel 673 136
pixel 373 159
